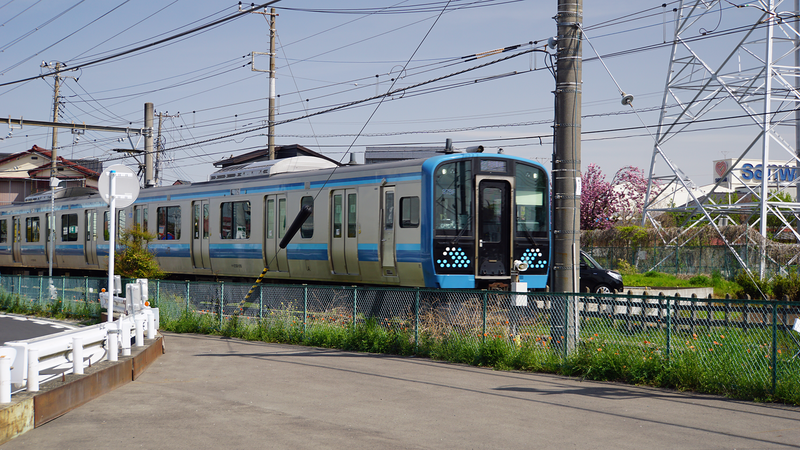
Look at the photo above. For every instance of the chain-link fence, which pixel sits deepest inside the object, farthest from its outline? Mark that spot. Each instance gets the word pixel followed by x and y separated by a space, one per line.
pixel 733 340
pixel 685 260
pixel 76 295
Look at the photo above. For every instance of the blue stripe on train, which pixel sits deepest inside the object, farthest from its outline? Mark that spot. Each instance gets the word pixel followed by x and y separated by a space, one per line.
pixel 240 251
pixel 70 250
pixel 408 253
pixel 368 252
pixel 32 249
pixel 164 250
pixel 312 252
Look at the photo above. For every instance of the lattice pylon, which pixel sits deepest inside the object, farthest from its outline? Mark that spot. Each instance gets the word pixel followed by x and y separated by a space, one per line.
pixel 753 77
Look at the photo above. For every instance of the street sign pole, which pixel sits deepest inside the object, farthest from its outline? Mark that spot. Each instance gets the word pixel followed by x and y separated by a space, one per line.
pixel 112 207
pixel 119 187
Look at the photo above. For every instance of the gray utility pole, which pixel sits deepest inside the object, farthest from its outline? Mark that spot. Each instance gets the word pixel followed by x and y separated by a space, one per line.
pixel 566 171
pixel 51 218
pixel 148 146
pixel 271 138
pixel 271 130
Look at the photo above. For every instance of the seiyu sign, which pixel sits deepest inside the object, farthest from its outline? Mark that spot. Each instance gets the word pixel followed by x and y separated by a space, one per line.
pixel 751 173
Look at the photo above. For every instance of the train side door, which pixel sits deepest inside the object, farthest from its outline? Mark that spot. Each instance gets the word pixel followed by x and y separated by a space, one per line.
pixel 274 230
pixel 494 228
pixel 200 235
pixel 344 231
pixel 16 249
pixel 387 247
pixel 90 239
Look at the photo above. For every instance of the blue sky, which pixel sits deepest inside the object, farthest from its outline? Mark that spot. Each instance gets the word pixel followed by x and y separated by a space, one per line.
pixel 334 53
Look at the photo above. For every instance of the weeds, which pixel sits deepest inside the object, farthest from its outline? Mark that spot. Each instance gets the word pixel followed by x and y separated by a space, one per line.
pixel 732 361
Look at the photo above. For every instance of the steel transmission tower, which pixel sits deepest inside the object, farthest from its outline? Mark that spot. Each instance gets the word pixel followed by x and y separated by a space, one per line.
pixel 744 74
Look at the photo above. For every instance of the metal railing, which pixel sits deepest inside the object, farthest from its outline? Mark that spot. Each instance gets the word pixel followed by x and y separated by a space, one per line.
pixel 33 361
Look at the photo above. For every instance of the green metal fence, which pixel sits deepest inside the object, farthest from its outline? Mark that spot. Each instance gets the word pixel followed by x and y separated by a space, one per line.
pixel 753 338
pixel 686 260
pixel 75 294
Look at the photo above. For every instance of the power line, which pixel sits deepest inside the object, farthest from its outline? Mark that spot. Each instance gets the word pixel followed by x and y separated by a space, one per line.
pixel 152 44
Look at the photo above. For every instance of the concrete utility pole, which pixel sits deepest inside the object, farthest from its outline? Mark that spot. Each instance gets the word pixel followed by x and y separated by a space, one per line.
pixel 271 125
pixel 148 146
pixel 566 171
pixel 53 148
pixel 271 138
pixel 51 219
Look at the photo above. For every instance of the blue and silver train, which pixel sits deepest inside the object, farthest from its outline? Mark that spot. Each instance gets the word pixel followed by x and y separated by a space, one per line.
pixel 457 220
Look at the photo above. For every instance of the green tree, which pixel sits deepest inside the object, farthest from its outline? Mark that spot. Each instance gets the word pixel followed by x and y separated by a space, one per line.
pixel 135 260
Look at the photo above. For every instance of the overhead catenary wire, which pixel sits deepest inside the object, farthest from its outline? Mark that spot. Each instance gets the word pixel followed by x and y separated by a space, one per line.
pixel 149 45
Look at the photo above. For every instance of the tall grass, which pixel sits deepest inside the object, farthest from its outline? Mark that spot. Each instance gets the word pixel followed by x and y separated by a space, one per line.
pixel 86 312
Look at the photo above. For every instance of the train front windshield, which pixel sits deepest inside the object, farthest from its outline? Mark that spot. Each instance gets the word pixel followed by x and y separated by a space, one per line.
pixel 487 213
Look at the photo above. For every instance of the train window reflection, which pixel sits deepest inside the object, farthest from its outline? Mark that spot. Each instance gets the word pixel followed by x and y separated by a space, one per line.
pixel 168 222
pixel 351 215
pixel 235 217
pixel 452 210
pixel 32 229
pixel 307 229
pixel 531 199
pixel 409 212
pixel 69 228
pixel 3 230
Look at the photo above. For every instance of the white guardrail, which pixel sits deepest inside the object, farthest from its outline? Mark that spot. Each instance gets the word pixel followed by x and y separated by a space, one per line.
pixel 26 364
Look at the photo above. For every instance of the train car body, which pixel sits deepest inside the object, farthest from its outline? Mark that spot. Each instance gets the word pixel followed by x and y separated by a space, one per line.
pixel 450 221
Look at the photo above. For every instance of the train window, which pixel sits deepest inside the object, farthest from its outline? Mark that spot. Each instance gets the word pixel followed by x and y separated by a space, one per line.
pixel 531 199
pixel 206 215
pixel 69 228
pixel 270 218
pixel 337 215
pixel 120 223
pixel 235 220
pixel 140 217
pixel 31 229
pixel 452 210
pixel 168 222
pixel 3 230
pixel 196 221
pixel 91 226
pixel 281 217
pixel 409 212
pixel 388 219
pixel 352 218
pixel 307 229
pixel 105 226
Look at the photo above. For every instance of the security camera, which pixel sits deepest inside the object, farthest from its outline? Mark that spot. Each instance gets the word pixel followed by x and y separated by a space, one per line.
pixel 520 266
pixel 475 149
pixel 552 42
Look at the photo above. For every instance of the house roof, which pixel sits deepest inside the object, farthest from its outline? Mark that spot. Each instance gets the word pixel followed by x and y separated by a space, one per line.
pixel 65 163
pixel 281 152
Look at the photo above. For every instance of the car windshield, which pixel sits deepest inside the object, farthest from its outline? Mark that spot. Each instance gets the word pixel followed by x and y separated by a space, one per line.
pixel 586 259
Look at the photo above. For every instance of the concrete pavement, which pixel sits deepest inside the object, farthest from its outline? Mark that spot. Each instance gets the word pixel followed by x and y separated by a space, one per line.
pixel 213 392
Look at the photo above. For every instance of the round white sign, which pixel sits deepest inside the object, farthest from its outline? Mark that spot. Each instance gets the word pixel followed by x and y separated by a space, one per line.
pixel 126 185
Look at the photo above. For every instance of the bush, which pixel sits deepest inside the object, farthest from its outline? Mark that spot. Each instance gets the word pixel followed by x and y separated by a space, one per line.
pixel 135 260
pixel 787 285
pixel 700 280
pixel 752 286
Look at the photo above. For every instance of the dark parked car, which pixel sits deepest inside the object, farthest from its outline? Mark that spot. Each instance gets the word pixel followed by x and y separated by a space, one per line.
pixel 596 278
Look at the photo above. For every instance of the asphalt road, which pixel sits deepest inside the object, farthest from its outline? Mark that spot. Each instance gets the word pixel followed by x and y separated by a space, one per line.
pixel 212 392
pixel 15 328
